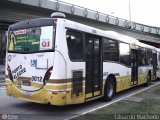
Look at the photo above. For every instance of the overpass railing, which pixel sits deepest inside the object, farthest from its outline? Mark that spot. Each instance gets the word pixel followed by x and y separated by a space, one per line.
pixel 91 14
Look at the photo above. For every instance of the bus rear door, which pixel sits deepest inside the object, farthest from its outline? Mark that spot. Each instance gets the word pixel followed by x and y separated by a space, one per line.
pixel 93 84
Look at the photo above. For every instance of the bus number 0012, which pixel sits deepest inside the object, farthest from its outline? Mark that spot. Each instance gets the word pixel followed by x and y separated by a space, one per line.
pixel 36 78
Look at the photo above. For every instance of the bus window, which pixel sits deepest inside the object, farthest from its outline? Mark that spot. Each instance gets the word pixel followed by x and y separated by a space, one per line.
pixel 158 60
pixel 110 49
pixel 142 57
pixel 75 45
pixel 149 57
pixel 125 54
pixel 31 39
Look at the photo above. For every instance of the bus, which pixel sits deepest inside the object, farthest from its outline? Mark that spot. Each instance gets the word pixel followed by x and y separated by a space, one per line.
pixel 60 62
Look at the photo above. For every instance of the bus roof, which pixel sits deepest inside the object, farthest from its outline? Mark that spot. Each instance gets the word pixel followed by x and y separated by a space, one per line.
pixel 108 34
pixel 32 23
pixel 123 38
pixel 80 27
pixel 146 46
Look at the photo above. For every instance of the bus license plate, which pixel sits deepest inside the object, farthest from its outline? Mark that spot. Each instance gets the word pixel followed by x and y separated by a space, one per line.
pixel 26 83
pixel 25 93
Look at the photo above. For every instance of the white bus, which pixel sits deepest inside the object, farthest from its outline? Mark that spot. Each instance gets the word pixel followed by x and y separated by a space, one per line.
pixel 61 62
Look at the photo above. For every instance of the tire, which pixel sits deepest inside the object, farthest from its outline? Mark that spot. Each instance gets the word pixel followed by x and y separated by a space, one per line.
pixel 148 80
pixel 109 90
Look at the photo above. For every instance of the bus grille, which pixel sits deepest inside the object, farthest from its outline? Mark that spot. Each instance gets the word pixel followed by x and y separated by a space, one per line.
pixel 77 80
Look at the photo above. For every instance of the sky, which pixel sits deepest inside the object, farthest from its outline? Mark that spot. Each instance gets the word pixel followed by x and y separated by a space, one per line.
pixel 141 11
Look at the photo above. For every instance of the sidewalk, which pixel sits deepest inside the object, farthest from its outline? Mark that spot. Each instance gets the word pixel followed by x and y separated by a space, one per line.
pixel 2 75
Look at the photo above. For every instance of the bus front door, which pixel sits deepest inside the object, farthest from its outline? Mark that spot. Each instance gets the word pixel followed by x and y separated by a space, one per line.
pixel 134 67
pixel 93 83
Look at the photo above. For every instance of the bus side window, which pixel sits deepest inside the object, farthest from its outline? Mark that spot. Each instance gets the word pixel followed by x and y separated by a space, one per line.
pixel 75 45
pixel 110 50
pixel 125 54
pixel 149 57
pixel 158 58
pixel 142 57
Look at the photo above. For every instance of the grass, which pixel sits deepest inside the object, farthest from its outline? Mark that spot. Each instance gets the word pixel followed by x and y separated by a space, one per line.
pixel 157 91
pixel 147 106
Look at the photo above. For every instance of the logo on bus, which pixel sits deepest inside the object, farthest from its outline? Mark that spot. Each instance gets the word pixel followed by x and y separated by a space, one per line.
pixel 34 63
pixel 20 32
pixel 46 44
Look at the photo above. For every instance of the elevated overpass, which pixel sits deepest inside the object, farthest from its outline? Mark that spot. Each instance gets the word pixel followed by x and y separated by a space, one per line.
pixel 12 11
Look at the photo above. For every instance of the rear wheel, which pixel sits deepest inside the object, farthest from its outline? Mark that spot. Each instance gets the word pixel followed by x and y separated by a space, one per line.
pixel 109 90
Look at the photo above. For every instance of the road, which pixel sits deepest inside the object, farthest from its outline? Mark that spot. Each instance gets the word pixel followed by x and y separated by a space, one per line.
pixel 2 74
pixel 23 110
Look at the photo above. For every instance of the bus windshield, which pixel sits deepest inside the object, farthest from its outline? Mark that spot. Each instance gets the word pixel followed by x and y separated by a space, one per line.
pixel 32 39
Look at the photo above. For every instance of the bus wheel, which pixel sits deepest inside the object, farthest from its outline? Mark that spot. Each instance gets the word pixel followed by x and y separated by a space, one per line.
pixel 148 80
pixel 109 90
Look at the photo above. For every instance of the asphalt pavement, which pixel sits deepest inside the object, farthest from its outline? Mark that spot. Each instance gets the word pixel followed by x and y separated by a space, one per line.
pixel 24 110
pixel 2 75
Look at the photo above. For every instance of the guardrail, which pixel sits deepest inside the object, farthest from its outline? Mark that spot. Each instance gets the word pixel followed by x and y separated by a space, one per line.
pixel 91 14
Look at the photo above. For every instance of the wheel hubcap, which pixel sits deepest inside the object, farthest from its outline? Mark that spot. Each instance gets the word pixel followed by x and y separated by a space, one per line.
pixel 110 90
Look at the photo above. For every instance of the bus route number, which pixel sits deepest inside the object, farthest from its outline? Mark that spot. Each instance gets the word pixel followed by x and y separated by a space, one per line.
pixel 37 78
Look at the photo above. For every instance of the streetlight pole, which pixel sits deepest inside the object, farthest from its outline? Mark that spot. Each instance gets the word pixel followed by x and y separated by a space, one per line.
pixel 129 12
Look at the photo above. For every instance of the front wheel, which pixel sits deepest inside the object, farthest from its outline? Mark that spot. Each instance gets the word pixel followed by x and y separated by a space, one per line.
pixel 109 90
